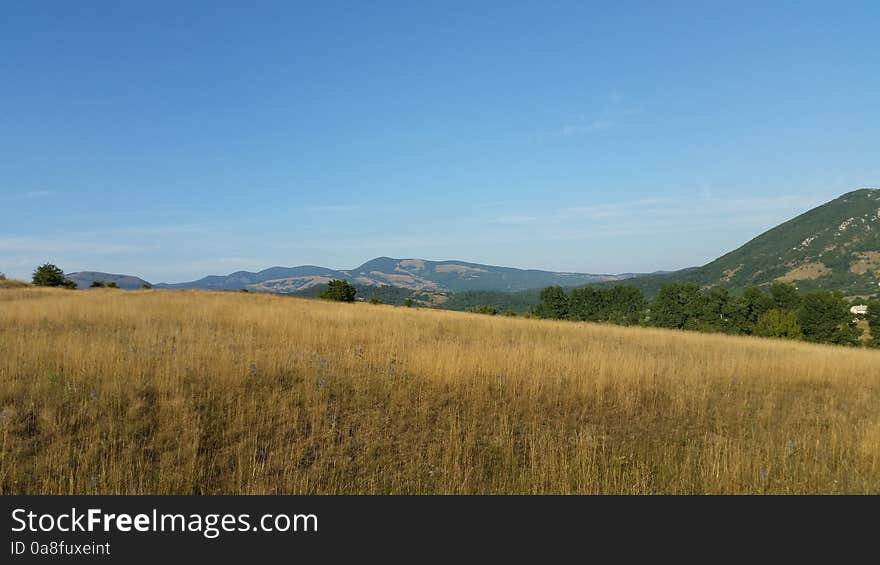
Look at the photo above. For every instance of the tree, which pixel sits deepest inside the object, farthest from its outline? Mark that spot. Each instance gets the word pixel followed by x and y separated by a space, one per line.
pixel 824 317
pixel 97 284
pixel 625 305
pixel 409 302
pixel 678 305
pixel 50 275
pixel 873 317
pixel 785 296
pixel 375 300
pixel 588 303
pixel 747 308
pixel 554 303
pixel 778 323
pixel 146 286
pixel 340 291
pixel 716 315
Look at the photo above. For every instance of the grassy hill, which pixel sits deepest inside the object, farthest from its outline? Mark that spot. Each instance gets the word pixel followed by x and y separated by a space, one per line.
pixel 201 392
pixel 834 246
pixel 11 283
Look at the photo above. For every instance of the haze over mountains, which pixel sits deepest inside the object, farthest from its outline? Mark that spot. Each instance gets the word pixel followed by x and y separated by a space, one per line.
pixel 834 246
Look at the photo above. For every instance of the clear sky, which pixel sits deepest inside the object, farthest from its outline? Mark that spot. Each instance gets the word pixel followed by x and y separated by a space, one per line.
pixel 172 140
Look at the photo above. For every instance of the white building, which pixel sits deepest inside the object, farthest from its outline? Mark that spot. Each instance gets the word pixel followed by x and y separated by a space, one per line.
pixel 859 309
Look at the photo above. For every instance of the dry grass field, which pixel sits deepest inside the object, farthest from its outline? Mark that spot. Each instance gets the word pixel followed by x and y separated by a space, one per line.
pixel 159 392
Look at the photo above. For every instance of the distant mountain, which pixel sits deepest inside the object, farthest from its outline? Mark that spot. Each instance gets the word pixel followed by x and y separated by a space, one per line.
pixel 273 279
pixel 833 246
pixel 84 279
pixel 457 276
pixel 414 274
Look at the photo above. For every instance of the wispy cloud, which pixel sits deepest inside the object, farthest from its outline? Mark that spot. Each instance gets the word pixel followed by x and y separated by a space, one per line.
pixel 652 216
pixel 66 245
pixel 582 125
pixel 39 193
pixel 516 220
pixel 331 208
pixel 569 130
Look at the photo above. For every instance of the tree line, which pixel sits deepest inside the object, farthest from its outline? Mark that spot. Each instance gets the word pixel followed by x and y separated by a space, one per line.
pixel 820 316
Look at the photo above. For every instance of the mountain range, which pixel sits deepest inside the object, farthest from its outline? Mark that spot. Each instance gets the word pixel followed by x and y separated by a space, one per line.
pixel 413 274
pixel 833 246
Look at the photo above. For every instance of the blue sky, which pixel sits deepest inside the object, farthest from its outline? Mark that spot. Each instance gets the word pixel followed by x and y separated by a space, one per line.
pixel 172 140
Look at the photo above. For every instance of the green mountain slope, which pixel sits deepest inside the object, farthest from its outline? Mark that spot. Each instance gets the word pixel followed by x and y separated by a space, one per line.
pixel 833 246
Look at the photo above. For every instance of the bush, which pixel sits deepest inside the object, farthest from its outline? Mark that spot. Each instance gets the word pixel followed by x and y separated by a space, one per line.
pixel 374 300
pixel 409 303
pixel 490 310
pixel 340 291
pixel 97 284
pixel 51 275
pixel 146 287
pixel 2 277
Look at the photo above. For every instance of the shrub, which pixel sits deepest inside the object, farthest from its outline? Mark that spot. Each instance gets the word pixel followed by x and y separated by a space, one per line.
pixel 98 284
pixel 490 310
pixel 374 300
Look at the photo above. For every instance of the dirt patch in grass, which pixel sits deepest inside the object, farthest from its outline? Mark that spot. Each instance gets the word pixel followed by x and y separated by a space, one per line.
pixel 865 261
pixel 806 272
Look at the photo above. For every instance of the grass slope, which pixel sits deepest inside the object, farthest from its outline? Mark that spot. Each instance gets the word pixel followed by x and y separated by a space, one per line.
pixel 199 392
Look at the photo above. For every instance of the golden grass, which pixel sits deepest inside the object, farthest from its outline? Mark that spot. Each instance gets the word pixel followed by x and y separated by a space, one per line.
pixel 192 392
pixel 11 283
